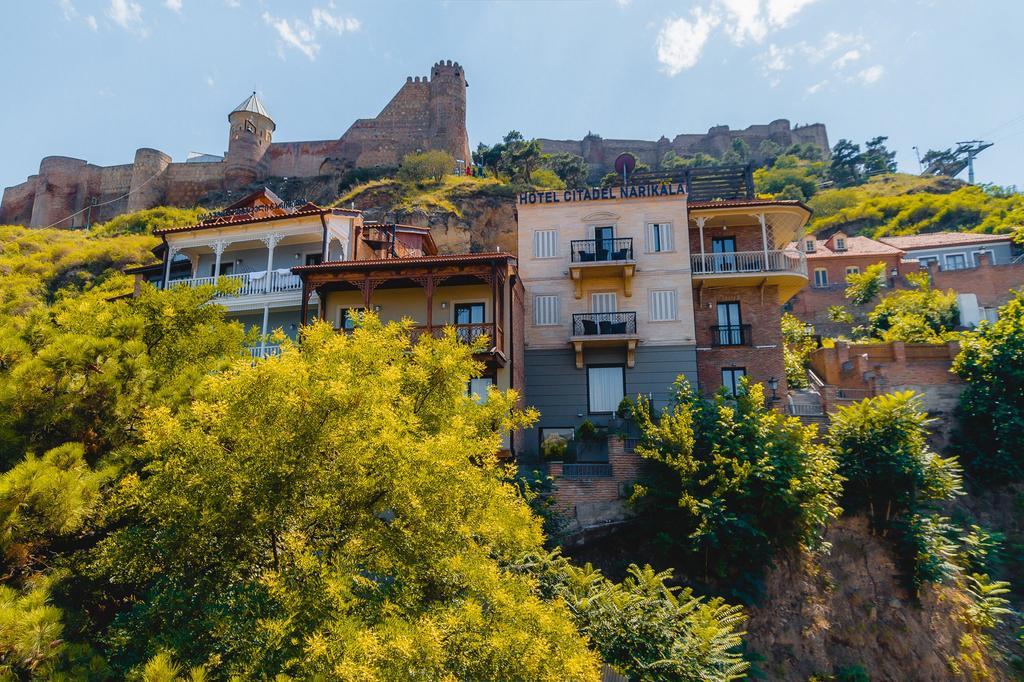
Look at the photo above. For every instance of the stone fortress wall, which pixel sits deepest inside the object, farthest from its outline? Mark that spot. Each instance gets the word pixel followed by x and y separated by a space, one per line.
pixel 600 153
pixel 428 112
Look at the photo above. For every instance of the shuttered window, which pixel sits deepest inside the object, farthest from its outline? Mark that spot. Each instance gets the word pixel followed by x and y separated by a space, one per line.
pixel 603 303
pixel 663 305
pixel 545 310
pixel 659 237
pixel 545 244
pixel 605 389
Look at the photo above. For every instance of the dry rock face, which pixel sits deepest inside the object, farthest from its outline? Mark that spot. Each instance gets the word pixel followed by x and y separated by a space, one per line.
pixel 851 609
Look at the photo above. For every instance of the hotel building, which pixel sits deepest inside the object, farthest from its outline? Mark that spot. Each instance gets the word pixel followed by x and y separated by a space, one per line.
pixel 626 290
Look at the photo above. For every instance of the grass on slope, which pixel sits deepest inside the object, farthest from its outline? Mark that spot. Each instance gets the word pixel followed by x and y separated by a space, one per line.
pixel 901 204
pixel 432 195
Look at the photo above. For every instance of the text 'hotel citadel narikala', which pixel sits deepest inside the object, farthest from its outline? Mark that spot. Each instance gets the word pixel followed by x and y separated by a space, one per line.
pixel 427 113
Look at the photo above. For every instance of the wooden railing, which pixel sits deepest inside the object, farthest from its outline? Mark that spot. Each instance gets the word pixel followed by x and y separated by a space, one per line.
pixel 465 333
pixel 749 262
pixel 249 283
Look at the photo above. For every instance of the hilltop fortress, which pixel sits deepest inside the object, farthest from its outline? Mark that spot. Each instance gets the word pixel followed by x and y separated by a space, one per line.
pixel 427 113
pixel 600 153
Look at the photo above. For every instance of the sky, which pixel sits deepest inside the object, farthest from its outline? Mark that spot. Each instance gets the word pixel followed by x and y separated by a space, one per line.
pixel 96 79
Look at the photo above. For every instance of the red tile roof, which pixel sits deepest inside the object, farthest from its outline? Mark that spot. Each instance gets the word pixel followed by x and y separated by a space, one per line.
pixel 855 246
pixel 940 239
pixel 213 223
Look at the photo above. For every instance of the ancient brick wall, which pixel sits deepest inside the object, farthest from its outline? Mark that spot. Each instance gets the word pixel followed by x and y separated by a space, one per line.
pixel 761 357
pixel 428 112
pixel 590 502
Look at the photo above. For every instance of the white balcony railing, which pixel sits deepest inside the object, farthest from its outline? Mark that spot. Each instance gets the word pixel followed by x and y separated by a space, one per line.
pixel 249 283
pixel 744 262
pixel 264 350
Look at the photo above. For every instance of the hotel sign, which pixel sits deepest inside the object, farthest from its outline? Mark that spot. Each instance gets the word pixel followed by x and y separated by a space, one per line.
pixel 603 193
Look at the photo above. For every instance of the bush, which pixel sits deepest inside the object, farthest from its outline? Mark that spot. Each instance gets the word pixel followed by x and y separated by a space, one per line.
pixel 544 178
pixel 429 165
pixel 144 222
pixel 991 409
pixel 739 481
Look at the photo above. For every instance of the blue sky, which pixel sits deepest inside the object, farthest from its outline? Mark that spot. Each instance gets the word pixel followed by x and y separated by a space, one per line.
pixel 96 79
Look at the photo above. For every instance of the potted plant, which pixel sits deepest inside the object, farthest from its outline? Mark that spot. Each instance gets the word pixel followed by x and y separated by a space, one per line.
pixel 554 448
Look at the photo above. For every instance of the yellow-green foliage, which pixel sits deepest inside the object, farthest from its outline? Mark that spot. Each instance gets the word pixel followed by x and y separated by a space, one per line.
pixel 430 195
pixel 144 222
pixel 900 204
pixel 30 632
pixel 34 264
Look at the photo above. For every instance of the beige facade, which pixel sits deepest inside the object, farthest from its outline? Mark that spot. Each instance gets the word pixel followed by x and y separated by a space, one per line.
pixel 552 238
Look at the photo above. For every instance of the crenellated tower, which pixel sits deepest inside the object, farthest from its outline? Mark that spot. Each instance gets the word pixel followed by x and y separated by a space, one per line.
pixel 251 130
pixel 448 109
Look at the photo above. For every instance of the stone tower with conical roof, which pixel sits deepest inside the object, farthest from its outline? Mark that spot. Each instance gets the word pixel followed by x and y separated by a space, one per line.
pixel 251 130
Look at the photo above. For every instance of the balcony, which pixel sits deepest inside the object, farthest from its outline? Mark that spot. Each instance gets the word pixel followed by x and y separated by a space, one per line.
pixel 249 283
pixel 785 269
pixel 596 330
pixel 466 333
pixel 602 258
pixel 730 335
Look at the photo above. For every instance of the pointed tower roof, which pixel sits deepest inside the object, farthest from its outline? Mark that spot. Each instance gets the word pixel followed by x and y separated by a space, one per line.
pixel 252 104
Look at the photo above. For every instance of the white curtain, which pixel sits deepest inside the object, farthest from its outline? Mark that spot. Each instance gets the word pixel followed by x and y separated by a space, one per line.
pixel 606 389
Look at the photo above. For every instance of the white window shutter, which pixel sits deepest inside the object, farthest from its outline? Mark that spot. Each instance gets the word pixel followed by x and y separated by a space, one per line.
pixel 545 243
pixel 545 310
pixel 649 238
pixel 667 237
pixel 663 305
pixel 603 303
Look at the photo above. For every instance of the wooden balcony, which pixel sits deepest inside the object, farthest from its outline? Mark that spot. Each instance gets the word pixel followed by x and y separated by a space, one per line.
pixel 467 333
pixel 597 330
pixel 785 269
pixel 602 258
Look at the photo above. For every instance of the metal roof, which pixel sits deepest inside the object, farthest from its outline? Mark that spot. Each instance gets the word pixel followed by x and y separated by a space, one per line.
pixel 252 104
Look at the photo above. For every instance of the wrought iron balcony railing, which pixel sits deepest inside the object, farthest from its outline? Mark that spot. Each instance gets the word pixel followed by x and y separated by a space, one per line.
pixel 730 335
pixel 602 250
pixel 603 324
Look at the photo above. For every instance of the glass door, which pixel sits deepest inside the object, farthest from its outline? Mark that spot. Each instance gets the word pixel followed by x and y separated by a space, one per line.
pixel 730 326
pixel 604 242
pixel 723 250
pixel 469 320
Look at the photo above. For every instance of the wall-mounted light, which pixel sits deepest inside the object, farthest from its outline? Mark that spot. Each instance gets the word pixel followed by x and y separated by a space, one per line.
pixel 238 262
pixel 292 327
pixel 773 384
pixel 894 272
pixel 444 305
pixel 298 256
pixel 376 308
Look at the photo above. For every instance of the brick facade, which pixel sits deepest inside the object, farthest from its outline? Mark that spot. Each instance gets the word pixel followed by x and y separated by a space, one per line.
pixel 761 356
pixel 594 501
pixel 427 113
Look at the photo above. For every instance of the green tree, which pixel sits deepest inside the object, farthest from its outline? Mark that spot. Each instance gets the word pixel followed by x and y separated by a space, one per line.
pixel 769 150
pixel 863 287
pixel 991 409
pixel 891 474
pixel 520 157
pixel 336 511
pixel 489 157
pixel 434 165
pixel 846 166
pixel 877 158
pixel 799 344
pixel 920 314
pixel 571 168
pixel 738 482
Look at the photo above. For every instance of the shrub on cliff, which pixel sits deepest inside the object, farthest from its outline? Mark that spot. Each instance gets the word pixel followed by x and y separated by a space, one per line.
pixel 429 165
pixel 991 410
pixel 738 481
pixel 144 222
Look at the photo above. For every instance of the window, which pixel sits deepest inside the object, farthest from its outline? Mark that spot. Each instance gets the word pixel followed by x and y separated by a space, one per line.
pixel 250 127
pixel 723 250
pixel 314 258
pixel 225 268
pixel 555 440
pixel 809 246
pixel 477 389
pixel 976 257
pixel 925 261
pixel 731 379
pixel 470 318
pixel 545 244
pixel 840 244
pixel 663 305
pixel 603 302
pixel 852 270
pixel 606 387
pixel 659 237
pixel 956 261
pixel 545 310
pixel 820 277
pixel 730 325
pixel 347 318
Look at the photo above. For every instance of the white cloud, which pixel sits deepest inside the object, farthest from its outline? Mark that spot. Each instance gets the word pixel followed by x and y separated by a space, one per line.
pixel 233 3
pixel 680 42
pixel 871 74
pixel 67 8
pixel 744 21
pixel 173 5
pixel 128 15
pixel 846 58
pixel 209 81
pixel 781 11
pixel 816 87
pixel 322 18
pixel 90 21
pixel 623 3
pixel 297 34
